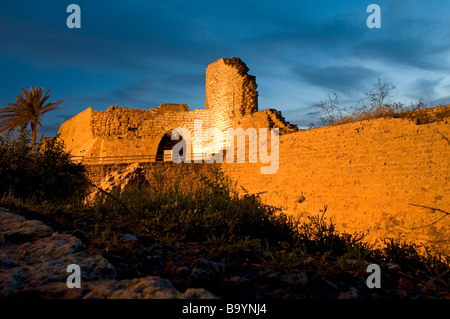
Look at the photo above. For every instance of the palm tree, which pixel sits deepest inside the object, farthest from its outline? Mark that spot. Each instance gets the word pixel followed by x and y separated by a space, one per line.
pixel 28 109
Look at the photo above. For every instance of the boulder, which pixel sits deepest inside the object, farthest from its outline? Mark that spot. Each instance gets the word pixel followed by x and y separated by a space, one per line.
pixel 34 260
pixel 132 176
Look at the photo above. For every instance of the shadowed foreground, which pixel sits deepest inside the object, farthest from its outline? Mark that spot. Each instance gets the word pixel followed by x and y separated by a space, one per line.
pixel 33 262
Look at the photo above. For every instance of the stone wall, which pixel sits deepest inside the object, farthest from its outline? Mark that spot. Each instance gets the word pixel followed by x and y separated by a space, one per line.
pixel 380 176
pixel 389 177
pixel 230 94
pixel 122 134
pixel 132 132
pixel 135 123
pixel 78 134
pixel 230 90
pixel 269 118
pixel 377 176
pixel 159 173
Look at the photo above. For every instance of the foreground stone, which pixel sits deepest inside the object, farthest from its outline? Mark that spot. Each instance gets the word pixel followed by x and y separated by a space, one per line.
pixel 132 176
pixel 34 259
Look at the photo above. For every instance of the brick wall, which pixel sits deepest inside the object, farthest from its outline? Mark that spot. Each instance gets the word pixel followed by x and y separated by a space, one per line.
pixel 185 175
pixel 231 101
pixel 230 93
pixel 370 174
pixel 77 133
pixel 120 131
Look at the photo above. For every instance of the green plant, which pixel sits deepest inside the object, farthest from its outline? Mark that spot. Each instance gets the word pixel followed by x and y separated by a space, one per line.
pixel 402 253
pixel 211 210
pixel 357 253
pixel 238 228
pixel 319 234
pixel 47 174
pixel 28 109
pixel 107 238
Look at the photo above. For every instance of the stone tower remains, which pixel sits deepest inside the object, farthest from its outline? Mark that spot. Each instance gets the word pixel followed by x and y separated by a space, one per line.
pixel 230 92
pixel 120 134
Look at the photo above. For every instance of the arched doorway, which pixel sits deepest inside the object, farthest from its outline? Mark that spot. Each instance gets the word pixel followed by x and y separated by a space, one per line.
pixel 164 152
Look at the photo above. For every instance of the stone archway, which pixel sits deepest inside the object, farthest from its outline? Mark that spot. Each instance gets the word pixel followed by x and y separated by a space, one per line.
pixel 165 146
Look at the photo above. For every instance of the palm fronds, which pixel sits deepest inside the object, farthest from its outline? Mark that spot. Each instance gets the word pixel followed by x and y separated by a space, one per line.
pixel 28 109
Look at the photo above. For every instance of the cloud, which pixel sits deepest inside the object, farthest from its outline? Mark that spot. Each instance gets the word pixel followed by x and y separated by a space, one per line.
pixel 64 117
pixel 441 101
pixel 313 114
pixel 145 38
pixel 136 92
pixel 49 130
pixel 408 52
pixel 186 81
pixel 148 53
pixel 345 79
pixel 175 88
pixel 425 88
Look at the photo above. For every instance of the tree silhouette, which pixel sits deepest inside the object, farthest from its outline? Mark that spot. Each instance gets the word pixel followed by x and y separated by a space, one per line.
pixel 28 109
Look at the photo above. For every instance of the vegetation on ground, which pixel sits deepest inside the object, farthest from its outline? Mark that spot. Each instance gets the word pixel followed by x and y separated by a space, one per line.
pixel 27 110
pixel 377 104
pixel 209 236
pixel 165 230
pixel 44 173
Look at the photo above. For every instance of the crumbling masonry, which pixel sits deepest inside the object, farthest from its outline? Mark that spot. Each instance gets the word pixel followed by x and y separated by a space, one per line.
pixel 120 134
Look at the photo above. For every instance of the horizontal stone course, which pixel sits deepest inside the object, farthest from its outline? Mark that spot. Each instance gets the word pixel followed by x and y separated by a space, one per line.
pixel 366 179
pixel 377 175
pixel 231 101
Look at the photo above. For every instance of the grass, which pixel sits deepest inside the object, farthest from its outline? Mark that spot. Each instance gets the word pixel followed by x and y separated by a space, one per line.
pixel 376 105
pixel 240 229
pixel 420 114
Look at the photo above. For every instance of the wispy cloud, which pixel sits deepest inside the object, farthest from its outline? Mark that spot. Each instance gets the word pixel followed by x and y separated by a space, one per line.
pixel 345 79
pixel 142 54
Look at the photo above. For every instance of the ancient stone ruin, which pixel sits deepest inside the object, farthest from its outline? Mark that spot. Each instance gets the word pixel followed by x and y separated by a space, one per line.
pixel 120 134
pixel 388 177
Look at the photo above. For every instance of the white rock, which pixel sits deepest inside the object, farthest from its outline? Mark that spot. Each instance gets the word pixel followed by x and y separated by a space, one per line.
pixel 129 237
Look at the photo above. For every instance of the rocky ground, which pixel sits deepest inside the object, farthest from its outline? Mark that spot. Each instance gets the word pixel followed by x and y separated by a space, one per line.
pixel 35 250
pixel 34 259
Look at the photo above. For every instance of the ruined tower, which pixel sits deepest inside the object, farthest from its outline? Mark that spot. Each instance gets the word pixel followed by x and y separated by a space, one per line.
pixel 230 92
pixel 230 95
pixel 122 134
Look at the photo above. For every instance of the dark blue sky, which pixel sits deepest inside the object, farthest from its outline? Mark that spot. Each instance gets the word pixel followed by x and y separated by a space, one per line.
pixel 140 54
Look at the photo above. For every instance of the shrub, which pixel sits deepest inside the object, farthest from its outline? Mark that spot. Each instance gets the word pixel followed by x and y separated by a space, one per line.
pixel 212 210
pixel 239 226
pixel 44 174
pixel 375 105
pixel 319 234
